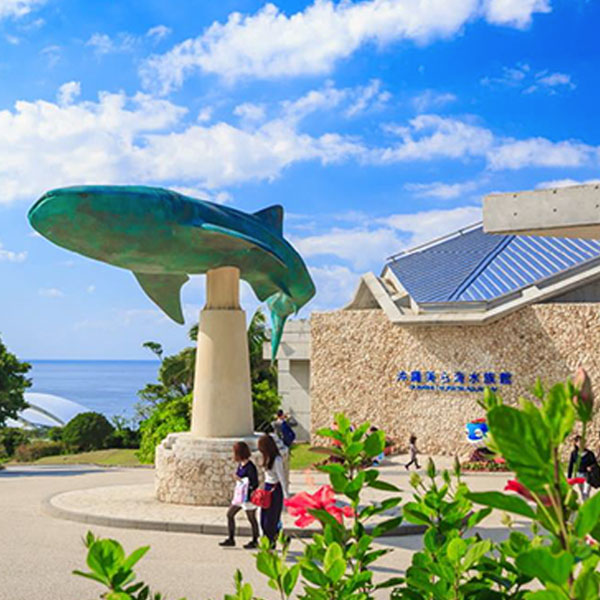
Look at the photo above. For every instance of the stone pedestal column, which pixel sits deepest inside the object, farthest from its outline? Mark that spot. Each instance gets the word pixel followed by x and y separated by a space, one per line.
pixel 222 394
pixel 197 467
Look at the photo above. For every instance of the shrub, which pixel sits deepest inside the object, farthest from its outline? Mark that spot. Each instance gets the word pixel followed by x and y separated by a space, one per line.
pixel 168 417
pixel 38 449
pixel 10 438
pixel 87 431
pixel 123 438
pixel 55 434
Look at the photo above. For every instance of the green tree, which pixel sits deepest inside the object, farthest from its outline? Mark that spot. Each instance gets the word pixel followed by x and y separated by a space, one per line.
pixel 87 431
pixel 176 375
pixel 13 383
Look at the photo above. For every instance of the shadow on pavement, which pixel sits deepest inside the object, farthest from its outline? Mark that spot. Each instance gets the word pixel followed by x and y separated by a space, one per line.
pixel 14 472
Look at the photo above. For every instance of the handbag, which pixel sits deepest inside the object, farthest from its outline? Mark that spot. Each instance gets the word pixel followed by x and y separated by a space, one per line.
pixel 593 476
pixel 262 497
pixel 240 492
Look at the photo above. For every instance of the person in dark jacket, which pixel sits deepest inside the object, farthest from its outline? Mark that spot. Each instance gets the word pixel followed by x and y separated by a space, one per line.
pixel 246 470
pixel 586 463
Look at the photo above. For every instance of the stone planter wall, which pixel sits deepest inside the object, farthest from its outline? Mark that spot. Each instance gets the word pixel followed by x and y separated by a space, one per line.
pixel 199 471
pixel 356 357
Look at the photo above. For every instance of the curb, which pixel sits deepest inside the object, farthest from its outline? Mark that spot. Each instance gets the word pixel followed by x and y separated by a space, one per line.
pixel 197 528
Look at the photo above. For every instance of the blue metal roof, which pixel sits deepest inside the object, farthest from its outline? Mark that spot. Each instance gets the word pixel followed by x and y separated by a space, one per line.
pixel 474 266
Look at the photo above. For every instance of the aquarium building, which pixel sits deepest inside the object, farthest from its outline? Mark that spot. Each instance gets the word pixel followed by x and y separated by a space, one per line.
pixel 415 348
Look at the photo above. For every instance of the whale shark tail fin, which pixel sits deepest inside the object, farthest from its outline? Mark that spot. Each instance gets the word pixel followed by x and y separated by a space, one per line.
pixel 272 217
pixel 164 291
pixel 281 307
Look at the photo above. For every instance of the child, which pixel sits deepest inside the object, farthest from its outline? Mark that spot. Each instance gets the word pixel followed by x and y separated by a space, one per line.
pixel 413 453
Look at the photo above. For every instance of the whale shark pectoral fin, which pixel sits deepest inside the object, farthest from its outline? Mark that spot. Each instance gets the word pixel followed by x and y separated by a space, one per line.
pixel 272 217
pixel 164 291
pixel 243 236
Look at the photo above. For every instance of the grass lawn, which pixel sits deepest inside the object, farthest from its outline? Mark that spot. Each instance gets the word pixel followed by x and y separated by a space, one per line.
pixel 112 457
pixel 303 458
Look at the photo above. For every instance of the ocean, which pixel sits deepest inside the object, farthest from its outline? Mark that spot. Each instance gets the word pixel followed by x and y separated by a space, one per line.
pixel 106 386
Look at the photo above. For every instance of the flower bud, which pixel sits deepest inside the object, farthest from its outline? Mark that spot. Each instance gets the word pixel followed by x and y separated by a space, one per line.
pixel 584 398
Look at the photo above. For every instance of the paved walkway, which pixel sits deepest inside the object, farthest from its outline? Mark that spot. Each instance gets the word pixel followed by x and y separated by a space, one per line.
pixel 38 552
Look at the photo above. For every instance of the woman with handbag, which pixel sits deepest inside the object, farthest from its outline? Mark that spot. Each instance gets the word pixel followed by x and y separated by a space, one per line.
pixel 276 488
pixel 246 483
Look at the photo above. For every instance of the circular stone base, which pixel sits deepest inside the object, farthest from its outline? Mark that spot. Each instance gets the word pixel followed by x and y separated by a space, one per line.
pixel 196 470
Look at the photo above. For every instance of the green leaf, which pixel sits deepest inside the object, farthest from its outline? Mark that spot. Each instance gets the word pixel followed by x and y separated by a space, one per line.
pixel 336 570
pixel 511 504
pixel 383 485
pixel 545 566
pixel 354 486
pixel 558 413
pixel 385 526
pixel 524 441
pixel 328 450
pixel 475 553
pixel 413 514
pixel 456 549
pixel 134 557
pixel 95 576
pixel 289 580
pixel 105 557
pixel 375 444
pixel 545 595
pixel 264 563
pixel 333 553
pixel 588 516
pixel 586 586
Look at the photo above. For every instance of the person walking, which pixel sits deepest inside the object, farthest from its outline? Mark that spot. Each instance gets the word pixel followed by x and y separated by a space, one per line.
pixel 246 482
pixel 282 426
pixel 276 483
pixel 412 448
pixel 585 465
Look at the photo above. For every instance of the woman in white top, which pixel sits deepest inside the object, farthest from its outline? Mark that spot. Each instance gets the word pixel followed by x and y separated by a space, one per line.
pixel 275 482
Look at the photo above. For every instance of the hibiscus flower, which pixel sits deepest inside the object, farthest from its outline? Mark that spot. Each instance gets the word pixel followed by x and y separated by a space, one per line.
pixel 512 485
pixel 322 499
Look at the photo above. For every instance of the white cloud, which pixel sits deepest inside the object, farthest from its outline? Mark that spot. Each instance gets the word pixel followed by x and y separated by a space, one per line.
pixel 90 289
pixel 335 285
pixel 562 183
pixel 104 44
pixel 158 33
pixel 540 152
pixel 367 247
pixel 67 92
pixel 522 77
pixel 428 225
pixel 429 137
pixel 18 8
pixel 516 13
pixel 368 97
pixel 270 44
pixel 205 114
pixel 52 54
pixel 10 256
pixel 50 293
pixel 430 99
pixel 443 191
pixel 144 139
pixel 361 247
pixel 249 112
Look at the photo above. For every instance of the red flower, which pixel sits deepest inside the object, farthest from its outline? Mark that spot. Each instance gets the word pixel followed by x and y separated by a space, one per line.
pixel 322 499
pixel 513 485
pixel 576 480
pixel 499 460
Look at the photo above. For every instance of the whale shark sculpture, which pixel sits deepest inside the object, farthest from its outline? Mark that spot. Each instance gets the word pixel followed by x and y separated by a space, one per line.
pixel 163 236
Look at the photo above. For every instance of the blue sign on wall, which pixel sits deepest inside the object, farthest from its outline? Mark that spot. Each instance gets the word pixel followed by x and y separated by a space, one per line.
pixel 457 381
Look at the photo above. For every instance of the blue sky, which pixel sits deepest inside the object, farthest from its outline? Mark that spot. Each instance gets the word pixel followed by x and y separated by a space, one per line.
pixel 378 124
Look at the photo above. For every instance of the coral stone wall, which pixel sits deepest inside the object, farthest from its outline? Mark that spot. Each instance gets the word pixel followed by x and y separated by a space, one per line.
pixel 357 355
